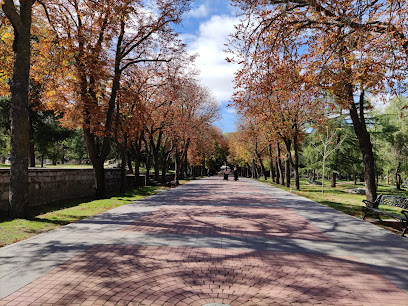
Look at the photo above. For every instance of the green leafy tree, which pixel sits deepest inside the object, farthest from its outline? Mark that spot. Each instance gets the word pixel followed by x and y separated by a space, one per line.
pixel 76 147
pixel 49 136
pixel 392 135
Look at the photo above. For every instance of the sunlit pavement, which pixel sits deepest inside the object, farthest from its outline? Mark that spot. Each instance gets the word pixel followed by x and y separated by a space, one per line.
pixel 210 242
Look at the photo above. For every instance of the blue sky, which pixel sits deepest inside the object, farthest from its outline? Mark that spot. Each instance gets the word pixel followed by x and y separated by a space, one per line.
pixel 205 30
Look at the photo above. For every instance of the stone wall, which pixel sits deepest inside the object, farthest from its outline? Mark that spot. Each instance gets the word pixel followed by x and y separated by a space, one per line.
pixel 52 185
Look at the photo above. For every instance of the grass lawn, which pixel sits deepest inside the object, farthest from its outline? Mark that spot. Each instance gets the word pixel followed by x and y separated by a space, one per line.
pixel 339 199
pixel 66 166
pixel 49 217
pixel 52 166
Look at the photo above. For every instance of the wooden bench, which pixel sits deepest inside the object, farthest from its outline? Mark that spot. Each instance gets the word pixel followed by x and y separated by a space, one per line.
pixel 372 209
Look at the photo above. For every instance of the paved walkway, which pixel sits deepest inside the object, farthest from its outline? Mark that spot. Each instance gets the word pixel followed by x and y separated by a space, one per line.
pixel 210 242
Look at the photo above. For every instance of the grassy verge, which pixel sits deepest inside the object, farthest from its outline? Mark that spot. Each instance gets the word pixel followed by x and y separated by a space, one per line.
pixel 339 199
pixel 49 217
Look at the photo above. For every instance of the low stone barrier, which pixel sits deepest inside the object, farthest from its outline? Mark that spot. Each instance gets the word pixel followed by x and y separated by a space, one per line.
pixel 56 184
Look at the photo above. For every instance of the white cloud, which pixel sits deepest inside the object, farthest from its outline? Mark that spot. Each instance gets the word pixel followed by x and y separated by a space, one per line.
pixel 209 44
pixel 231 110
pixel 199 12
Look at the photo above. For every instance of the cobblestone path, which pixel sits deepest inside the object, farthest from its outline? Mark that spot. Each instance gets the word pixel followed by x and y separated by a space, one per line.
pixel 210 242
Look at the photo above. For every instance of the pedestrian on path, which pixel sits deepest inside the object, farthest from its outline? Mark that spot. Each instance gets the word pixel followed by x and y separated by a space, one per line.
pixel 226 173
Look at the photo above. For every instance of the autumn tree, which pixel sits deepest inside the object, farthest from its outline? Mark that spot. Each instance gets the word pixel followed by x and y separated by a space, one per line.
pixel 105 38
pixel 249 145
pixel 208 149
pixel 194 108
pixel 20 17
pixel 273 90
pixel 351 47
pixel 238 154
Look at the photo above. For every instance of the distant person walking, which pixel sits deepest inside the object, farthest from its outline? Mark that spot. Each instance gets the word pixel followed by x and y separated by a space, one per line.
pixel 226 173
pixel 235 174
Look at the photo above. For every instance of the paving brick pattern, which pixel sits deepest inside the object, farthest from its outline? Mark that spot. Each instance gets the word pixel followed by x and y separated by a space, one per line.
pixel 163 271
pixel 228 221
pixel 149 275
pixel 224 193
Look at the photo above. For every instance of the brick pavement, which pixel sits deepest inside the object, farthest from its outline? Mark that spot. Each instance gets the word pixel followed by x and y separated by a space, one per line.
pixel 228 221
pixel 140 265
pixel 148 275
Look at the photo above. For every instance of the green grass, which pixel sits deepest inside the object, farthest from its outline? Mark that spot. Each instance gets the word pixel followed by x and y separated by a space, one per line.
pixel 49 217
pixel 52 166
pixel 339 199
pixel 66 166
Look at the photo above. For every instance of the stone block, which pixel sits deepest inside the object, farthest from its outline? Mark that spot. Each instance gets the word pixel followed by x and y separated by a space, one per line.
pixel 5 196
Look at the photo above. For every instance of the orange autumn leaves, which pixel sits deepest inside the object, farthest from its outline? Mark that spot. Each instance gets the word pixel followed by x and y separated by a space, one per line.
pixel 115 69
pixel 301 58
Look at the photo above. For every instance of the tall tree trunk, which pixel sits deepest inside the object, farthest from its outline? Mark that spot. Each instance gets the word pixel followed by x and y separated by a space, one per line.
pixel 288 159
pixel 147 177
pixel 203 173
pixel 137 170
pixel 165 157
pixel 277 172
pixel 98 153
pixel 155 150
pixel 156 163
pixel 100 181
pixel 136 150
pixel 164 171
pixel 148 161
pixel 181 168
pixel 271 166
pixel 296 162
pixel 334 180
pixel 336 162
pixel 279 165
pixel 129 162
pixel 185 163
pixel 177 167
pixel 287 172
pixel 97 158
pixel 364 140
pixel 398 176
pixel 20 86
pixel 263 170
pixel 182 162
pixel 323 177
pixel 249 171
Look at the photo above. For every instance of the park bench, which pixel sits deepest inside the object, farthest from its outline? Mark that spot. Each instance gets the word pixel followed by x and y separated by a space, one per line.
pixel 371 208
